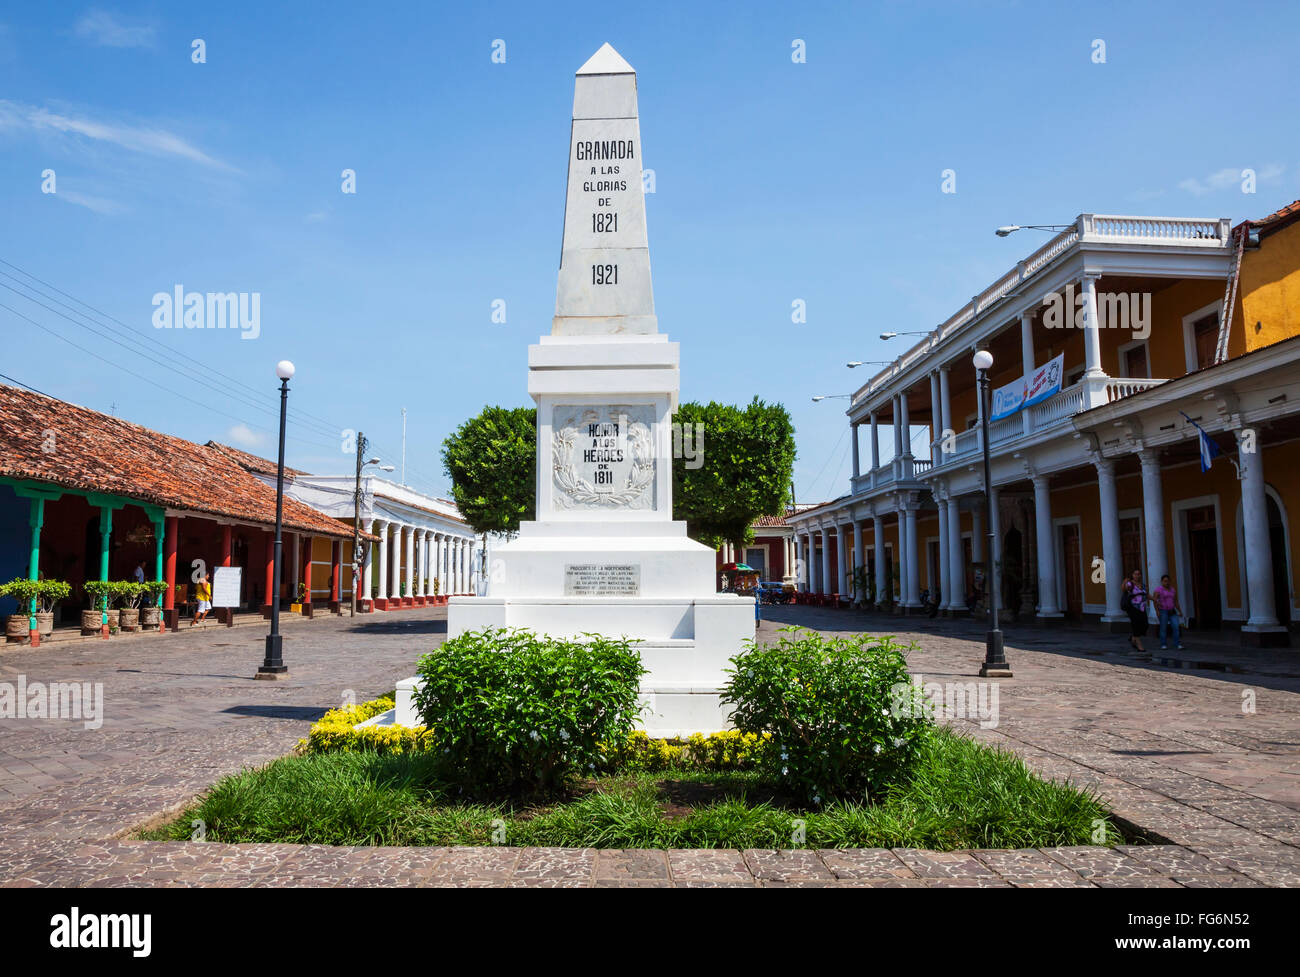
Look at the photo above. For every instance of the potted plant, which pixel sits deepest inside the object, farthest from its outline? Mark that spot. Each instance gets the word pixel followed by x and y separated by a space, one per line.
pixel 296 607
pixel 24 591
pixel 152 607
pixel 99 594
pixel 128 596
pixel 48 595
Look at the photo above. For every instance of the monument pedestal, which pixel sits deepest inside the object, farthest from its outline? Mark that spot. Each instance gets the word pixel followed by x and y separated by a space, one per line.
pixel 604 555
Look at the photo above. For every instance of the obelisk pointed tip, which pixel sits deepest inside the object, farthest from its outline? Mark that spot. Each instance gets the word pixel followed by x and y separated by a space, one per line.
pixel 606 61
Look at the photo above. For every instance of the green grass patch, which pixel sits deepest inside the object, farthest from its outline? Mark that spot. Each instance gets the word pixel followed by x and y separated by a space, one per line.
pixel 960 794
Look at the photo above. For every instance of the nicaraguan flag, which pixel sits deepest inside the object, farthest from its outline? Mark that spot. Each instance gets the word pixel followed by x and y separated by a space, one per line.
pixel 1209 450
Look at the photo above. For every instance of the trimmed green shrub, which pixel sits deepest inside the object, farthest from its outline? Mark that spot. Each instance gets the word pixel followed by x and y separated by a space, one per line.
pixel 22 590
pixel 99 593
pixel 724 751
pixel 518 714
pixel 154 589
pixel 826 701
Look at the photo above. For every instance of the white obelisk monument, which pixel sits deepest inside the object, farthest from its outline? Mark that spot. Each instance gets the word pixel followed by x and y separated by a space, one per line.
pixel 604 555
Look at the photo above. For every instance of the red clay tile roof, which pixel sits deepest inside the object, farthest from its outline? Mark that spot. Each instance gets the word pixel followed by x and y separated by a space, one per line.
pixel 98 453
pixel 251 463
pixel 769 521
pixel 1290 210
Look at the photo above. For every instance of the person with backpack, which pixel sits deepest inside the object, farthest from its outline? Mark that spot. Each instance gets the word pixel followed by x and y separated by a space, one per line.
pixel 1133 602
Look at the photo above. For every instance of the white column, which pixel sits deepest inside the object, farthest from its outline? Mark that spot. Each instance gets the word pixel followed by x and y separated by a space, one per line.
pixel 1026 356
pixel 859 557
pixel 1091 333
pixel 898 434
pixel 913 557
pixel 453 573
pixel 956 560
pixel 841 559
pixel 440 557
pixel 875 441
pixel 824 581
pixel 945 401
pixel 1259 553
pixel 878 547
pixel 410 561
pixel 797 570
pixel 428 563
pixel 853 433
pixel 945 552
pixel 395 580
pixel 1153 515
pixel 367 578
pixel 1111 548
pixel 936 428
pixel 419 563
pixel 1046 549
pixel 383 560
pixel 906 426
pixel 466 565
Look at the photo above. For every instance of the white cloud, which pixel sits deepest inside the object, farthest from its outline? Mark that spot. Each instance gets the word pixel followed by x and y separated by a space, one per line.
pixel 243 436
pixel 103 28
pixel 99 205
pixel 1228 178
pixel 153 142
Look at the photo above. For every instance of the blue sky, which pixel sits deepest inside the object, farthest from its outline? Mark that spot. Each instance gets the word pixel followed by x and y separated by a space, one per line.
pixel 775 181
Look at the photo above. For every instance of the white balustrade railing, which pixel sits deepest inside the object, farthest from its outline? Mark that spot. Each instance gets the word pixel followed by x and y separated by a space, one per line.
pixel 1110 228
pixel 1157 230
pixel 965 443
pixel 1117 388
pixel 1057 408
pixel 921 465
pixel 1005 428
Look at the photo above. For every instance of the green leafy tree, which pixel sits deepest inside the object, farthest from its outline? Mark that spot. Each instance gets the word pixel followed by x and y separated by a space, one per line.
pixel 737 470
pixel 748 456
pixel 491 460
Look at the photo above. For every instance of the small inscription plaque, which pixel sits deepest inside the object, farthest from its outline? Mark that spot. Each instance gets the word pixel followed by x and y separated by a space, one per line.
pixel 602 579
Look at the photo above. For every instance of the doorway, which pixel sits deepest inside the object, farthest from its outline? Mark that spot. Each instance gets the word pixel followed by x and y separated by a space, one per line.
pixel 1281 568
pixel 1203 561
pixel 1072 578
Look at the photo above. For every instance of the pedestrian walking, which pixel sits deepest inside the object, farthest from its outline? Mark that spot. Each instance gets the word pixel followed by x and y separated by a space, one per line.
pixel 1167 611
pixel 1133 602
pixel 203 594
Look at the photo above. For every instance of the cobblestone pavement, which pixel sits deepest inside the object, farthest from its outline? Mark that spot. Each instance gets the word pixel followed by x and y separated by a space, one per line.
pixel 1170 749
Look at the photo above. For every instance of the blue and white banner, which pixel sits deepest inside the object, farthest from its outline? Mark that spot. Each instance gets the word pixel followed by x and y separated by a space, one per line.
pixel 1044 382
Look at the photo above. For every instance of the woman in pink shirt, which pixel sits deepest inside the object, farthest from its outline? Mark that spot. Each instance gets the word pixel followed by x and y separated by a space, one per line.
pixel 1167 609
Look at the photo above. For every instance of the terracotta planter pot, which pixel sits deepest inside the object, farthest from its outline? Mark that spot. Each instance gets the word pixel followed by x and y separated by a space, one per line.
pixel 149 617
pixel 128 618
pixel 16 628
pixel 45 623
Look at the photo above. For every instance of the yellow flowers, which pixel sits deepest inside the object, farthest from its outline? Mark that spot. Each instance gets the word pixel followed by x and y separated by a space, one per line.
pixel 337 732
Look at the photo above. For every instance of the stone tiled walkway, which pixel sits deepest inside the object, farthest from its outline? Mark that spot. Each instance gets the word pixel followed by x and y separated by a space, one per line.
pixel 1170 750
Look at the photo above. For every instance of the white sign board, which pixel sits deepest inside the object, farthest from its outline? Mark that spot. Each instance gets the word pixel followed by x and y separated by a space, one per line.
pixel 226 586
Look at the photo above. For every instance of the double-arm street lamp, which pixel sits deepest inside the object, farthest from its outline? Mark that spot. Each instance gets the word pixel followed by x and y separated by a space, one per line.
pixel 995 659
pixel 273 666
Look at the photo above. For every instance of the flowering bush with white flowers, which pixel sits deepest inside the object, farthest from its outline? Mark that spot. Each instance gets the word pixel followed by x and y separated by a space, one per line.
pixel 516 714
pixel 825 701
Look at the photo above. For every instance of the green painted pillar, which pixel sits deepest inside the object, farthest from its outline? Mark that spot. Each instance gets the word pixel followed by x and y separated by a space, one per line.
pixel 105 531
pixel 37 520
pixel 158 532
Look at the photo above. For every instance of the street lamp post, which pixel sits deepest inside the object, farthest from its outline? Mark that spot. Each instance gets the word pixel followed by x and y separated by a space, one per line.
pixel 995 659
pixel 362 445
pixel 273 666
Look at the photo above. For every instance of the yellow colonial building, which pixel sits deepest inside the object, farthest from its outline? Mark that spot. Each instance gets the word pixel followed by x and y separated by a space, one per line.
pixel 1114 345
